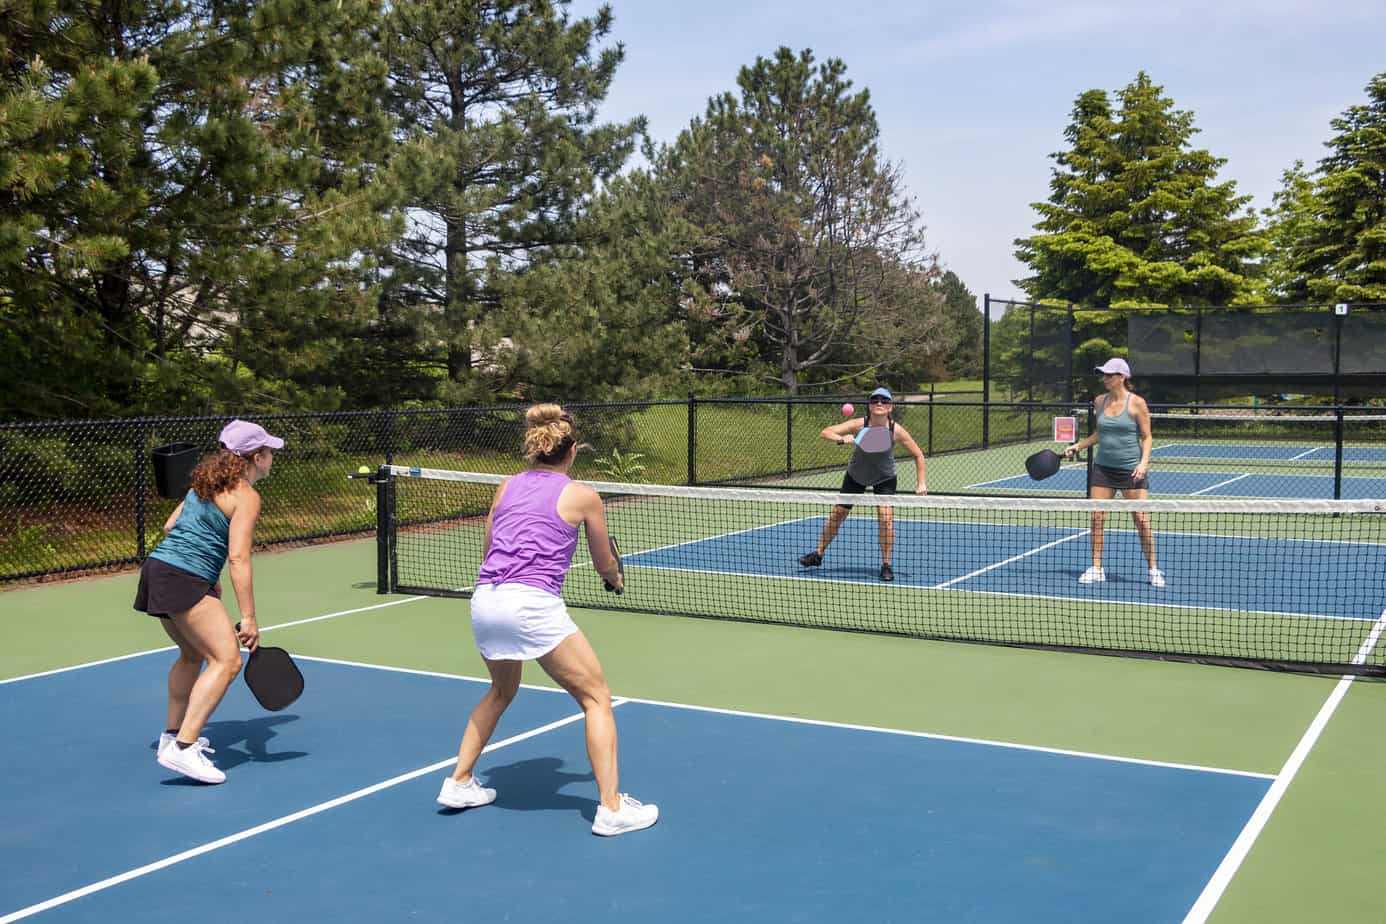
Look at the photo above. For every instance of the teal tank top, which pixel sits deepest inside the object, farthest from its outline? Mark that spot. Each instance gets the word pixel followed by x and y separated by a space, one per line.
pixel 197 543
pixel 1119 444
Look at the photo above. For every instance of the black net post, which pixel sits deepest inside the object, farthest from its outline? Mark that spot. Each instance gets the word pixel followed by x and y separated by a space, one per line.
pixel 386 564
pixel 1337 452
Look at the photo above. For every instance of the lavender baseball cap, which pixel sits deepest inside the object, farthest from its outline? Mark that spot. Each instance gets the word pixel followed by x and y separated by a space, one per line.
pixel 243 437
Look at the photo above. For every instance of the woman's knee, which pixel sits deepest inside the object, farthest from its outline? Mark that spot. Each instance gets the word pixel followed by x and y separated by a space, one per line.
pixel 1098 518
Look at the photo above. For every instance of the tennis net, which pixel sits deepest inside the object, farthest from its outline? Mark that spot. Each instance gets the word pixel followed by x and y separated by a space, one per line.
pixel 1296 585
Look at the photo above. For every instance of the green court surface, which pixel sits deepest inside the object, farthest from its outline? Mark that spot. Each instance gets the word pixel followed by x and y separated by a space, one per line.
pixel 1315 858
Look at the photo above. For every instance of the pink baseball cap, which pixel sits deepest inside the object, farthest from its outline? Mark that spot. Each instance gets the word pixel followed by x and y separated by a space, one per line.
pixel 243 437
pixel 1115 365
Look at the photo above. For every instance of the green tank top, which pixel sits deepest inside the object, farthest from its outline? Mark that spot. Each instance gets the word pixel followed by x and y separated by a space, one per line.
pixel 1119 444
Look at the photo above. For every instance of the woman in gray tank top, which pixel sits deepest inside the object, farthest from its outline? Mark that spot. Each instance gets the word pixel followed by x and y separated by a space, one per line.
pixel 874 470
pixel 1123 440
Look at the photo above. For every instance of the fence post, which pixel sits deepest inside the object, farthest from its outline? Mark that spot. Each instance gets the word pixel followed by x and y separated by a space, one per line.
pixel 788 437
pixel 986 370
pixel 141 487
pixel 1337 452
pixel 692 439
pixel 388 425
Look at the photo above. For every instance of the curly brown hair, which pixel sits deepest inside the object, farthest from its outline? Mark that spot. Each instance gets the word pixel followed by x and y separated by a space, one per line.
pixel 550 434
pixel 217 473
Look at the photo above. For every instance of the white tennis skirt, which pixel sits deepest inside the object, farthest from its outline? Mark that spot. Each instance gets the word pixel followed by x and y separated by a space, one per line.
pixel 516 622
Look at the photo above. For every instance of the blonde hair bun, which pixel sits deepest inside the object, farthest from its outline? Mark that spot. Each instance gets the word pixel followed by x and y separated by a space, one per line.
pixel 549 433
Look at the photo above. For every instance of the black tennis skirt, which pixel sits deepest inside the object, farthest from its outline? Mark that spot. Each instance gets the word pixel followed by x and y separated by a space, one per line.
pixel 1120 479
pixel 165 589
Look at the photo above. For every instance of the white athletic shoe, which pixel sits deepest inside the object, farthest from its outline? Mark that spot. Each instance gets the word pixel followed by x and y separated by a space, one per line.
pixel 465 795
pixel 1093 575
pixel 633 815
pixel 192 761
pixel 166 738
pixel 1157 577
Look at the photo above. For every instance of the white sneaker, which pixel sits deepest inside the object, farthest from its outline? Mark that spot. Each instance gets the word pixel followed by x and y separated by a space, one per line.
pixel 465 795
pixel 192 761
pixel 1157 577
pixel 633 815
pixel 166 738
pixel 1093 575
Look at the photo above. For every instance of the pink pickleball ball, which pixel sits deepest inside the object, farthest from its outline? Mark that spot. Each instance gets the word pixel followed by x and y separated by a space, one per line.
pixel 847 410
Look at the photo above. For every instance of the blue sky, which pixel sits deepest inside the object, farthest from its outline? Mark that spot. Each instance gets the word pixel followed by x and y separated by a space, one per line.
pixel 973 97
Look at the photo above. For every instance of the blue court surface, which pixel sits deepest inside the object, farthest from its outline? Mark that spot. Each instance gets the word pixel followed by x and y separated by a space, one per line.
pixel 1270 452
pixel 1205 571
pixel 328 814
pixel 1208 484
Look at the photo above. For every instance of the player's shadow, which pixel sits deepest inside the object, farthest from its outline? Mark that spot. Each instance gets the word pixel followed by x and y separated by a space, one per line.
pixel 535 785
pixel 241 741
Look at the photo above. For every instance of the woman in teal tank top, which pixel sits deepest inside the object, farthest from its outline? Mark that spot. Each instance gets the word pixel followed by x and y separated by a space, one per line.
pixel 1123 440
pixel 213 525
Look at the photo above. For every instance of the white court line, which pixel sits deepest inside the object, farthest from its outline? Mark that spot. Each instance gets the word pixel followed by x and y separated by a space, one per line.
pixel 821 723
pixel 1222 876
pixel 1062 468
pixel 149 651
pixel 933 736
pixel 1041 548
pixel 275 823
pixel 1214 487
pixel 1306 452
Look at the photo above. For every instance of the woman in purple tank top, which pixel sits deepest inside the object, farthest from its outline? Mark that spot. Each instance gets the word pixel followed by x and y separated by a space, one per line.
pixel 517 614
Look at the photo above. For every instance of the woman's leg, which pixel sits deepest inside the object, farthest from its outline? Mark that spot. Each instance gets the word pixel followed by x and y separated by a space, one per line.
pixel 830 528
pixel 181 676
pixel 885 521
pixel 1143 525
pixel 574 666
pixel 208 636
pixel 505 683
pixel 1099 517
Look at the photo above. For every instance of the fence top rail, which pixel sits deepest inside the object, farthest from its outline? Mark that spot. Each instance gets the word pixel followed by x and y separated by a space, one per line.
pixel 1189 309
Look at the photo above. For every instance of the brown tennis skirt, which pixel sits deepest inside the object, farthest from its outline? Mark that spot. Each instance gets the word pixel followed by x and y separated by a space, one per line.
pixel 165 589
pixel 1120 479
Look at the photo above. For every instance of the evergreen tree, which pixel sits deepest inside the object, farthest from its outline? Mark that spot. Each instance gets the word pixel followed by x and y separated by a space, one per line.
pixel 1135 215
pixel 1330 227
pixel 496 102
pixel 183 195
pixel 962 323
pixel 809 239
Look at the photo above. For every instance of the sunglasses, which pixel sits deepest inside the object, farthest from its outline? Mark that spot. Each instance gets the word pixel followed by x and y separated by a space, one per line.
pixel 878 401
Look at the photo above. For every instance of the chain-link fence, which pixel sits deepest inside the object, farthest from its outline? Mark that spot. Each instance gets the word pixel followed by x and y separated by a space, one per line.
pixel 79 495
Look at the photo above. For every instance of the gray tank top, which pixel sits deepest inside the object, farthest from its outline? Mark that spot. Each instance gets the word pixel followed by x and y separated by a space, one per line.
pixel 871 468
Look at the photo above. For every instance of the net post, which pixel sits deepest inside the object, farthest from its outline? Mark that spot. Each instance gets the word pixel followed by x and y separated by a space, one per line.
pixel 986 370
pixel 692 439
pixel 386 564
pixel 1338 452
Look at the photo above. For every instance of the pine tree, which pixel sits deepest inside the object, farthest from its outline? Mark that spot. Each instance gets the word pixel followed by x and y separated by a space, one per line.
pixel 1330 227
pixel 1135 215
pixel 496 102
pixel 182 200
pixel 808 235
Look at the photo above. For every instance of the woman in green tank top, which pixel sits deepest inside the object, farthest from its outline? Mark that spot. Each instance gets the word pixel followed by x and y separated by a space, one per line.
pixel 1123 440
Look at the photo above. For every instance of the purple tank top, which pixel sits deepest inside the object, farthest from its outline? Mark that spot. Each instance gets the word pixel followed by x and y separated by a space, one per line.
pixel 530 543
